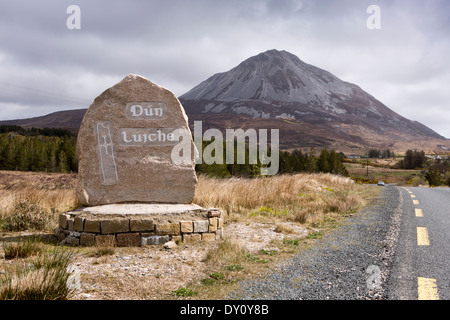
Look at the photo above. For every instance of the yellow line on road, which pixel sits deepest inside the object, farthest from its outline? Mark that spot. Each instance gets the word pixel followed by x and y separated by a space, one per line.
pixel 413 196
pixel 419 213
pixel 427 289
pixel 416 201
pixel 422 237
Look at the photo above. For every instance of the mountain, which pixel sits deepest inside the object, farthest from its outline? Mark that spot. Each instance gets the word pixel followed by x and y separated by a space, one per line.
pixel 68 119
pixel 310 106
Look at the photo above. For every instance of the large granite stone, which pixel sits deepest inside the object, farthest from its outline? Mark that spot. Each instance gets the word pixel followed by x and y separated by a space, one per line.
pixel 125 147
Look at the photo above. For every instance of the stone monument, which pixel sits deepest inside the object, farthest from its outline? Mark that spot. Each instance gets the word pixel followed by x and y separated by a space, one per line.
pixel 132 190
pixel 125 144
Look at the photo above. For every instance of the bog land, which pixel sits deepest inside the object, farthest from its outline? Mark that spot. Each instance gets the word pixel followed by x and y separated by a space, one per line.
pixel 267 220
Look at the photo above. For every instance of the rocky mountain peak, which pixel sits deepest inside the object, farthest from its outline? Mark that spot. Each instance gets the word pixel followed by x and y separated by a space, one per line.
pixel 271 76
pixel 309 106
pixel 278 85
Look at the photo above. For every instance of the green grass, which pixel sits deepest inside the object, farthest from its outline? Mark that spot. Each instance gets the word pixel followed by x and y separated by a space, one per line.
pixel 234 267
pixel 268 252
pixel 217 275
pixel 213 278
pixel 294 242
pixel 253 258
pixel 268 212
pixel 185 292
pixel 315 235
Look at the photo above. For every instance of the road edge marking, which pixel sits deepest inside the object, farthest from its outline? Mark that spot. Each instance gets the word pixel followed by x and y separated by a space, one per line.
pixel 427 289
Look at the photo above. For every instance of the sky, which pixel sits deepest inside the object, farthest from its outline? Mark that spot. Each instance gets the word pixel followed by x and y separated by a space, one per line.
pixel 54 59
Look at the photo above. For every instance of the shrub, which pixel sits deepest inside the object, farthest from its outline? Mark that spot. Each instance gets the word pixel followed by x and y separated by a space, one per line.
pixel 433 177
pixel 415 181
pixel 26 216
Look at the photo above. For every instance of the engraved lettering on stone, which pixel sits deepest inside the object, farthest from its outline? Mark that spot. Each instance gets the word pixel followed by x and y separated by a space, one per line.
pixel 146 110
pixel 148 137
pixel 108 167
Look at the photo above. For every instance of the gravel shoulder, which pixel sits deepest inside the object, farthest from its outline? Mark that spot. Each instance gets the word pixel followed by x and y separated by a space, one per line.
pixel 350 263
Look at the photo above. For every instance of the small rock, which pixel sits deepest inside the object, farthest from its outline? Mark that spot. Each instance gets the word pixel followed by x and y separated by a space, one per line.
pixel 170 245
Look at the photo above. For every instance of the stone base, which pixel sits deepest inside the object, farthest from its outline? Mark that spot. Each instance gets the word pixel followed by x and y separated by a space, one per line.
pixel 126 225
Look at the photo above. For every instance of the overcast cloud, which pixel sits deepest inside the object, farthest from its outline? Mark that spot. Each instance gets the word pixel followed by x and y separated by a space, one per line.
pixel 45 67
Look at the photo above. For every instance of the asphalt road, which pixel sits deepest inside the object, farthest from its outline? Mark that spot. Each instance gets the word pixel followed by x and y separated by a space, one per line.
pixel 377 254
pixel 423 246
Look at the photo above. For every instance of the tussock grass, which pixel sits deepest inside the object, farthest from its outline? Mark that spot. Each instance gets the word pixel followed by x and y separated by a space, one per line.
pixel 21 249
pixel 44 276
pixel 283 228
pixel 227 252
pixel 301 198
pixel 104 248
pixel 26 216
pixel 34 209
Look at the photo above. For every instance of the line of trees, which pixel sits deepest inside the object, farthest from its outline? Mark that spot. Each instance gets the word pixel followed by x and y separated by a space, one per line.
pixel 289 163
pixel 435 171
pixel 384 154
pixel 327 162
pixel 48 132
pixel 220 168
pixel 37 153
pixel 413 160
pixel 54 150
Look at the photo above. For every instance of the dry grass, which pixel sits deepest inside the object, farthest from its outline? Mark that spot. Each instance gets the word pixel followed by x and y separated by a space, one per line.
pixel 34 204
pixel 154 273
pixel 43 277
pixel 388 175
pixel 301 198
pixel 22 249
pixel 312 200
pixel 226 253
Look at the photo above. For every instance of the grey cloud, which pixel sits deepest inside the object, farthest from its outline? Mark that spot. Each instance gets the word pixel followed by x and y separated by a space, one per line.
pixel 179 43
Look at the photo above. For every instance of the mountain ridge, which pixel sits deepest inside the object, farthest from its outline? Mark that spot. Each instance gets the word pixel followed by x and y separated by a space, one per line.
pixel 262 77
pixel 278 85
pixel 276 90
